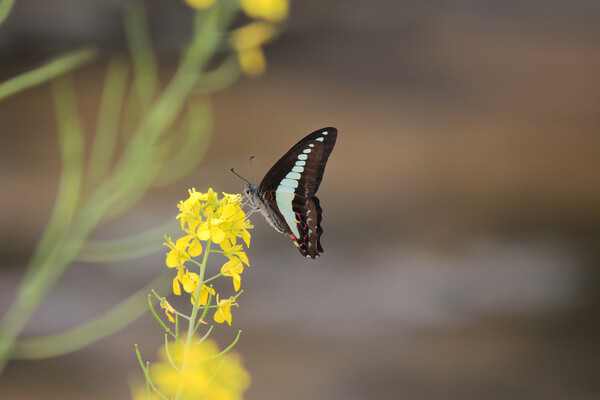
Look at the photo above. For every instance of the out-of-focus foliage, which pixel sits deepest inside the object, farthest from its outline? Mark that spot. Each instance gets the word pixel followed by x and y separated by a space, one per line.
pixel 164 132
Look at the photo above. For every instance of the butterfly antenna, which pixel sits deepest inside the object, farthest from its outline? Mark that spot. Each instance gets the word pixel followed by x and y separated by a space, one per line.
pixel 251 169
pixel 239 176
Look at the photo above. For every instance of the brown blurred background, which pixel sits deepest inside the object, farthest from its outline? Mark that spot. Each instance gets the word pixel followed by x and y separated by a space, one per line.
pixel 461 203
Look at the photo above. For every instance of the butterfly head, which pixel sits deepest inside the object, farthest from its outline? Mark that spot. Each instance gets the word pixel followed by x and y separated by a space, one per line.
pixel 251 192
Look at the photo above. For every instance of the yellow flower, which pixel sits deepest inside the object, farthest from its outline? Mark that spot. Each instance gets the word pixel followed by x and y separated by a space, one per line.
pixel 210 229
pixel 195 248
pixel 200 4
pixel 200 374
pixel 189 210
pixel 252 61
pixel 233 268
pixel 223 312
pixel 252 35
pixel 270 10
pixel 230 252
pixel 248 40
pixel 189 281
pixel 235 222
pixel 204 292
pixel 178 254
pixel 205 217
pixel 169 310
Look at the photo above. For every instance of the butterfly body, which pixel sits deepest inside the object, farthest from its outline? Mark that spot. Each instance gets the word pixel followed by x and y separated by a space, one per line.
pixel 286 195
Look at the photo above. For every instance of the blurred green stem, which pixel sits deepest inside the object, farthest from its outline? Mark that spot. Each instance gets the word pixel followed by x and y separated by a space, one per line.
pixel 47 72
pixel 127 248
pixel 56 246
pixel 144 64
pixel 107 128
pixel 129 180
pixel 5 8
pixel 79 337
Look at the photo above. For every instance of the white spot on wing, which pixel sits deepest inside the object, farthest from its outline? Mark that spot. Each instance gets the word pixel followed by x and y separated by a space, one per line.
pixel 290 183
pixel 307 151
pixel 284 203
pixel 300 163
pixel 293 175
pixel 319 139
pixel 302 157
pixel 298 168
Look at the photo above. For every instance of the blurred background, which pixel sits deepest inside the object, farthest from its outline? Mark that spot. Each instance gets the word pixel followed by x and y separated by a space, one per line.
pixel 461 205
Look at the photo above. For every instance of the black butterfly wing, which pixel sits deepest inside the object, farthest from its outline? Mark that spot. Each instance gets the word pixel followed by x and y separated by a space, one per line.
pixel 289 188
pixel 323 141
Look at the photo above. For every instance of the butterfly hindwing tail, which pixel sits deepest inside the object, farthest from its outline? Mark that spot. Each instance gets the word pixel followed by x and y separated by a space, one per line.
pixel 307 226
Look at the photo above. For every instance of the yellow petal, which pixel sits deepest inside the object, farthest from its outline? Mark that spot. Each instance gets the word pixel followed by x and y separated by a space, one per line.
pixel 176 287
pixel 195 248
pixel 246 237
pixel 271 10
pixel 169 316
pixel 252 61
pixel 173 259
pixel 237 282
pixel 204 292
pixel 204 231
pixel 223 314
pixel 217 235
pixel 183 242
pixel 252 35
pixel 229 211
pixel 219 317
pixel 190 282
pixel 193 224
pixel 243 257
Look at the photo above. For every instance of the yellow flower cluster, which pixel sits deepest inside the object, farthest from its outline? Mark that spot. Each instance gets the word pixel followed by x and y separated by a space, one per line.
pixel 248 40
pixel 206 219
pixel 269 10
pixel 199 374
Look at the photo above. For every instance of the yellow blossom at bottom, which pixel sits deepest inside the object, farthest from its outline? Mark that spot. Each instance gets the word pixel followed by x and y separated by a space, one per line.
pixel 200 374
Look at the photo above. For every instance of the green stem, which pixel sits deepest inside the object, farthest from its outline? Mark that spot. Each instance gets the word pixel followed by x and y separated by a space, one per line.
pixel 74 339
pixel 144 63
pixel 132 171
pixel 107 127
pixel 46 72
pixel 126 248
pixel 196 307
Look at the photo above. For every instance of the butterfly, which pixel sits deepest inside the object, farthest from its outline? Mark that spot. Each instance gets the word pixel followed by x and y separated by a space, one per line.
pixel 286 195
